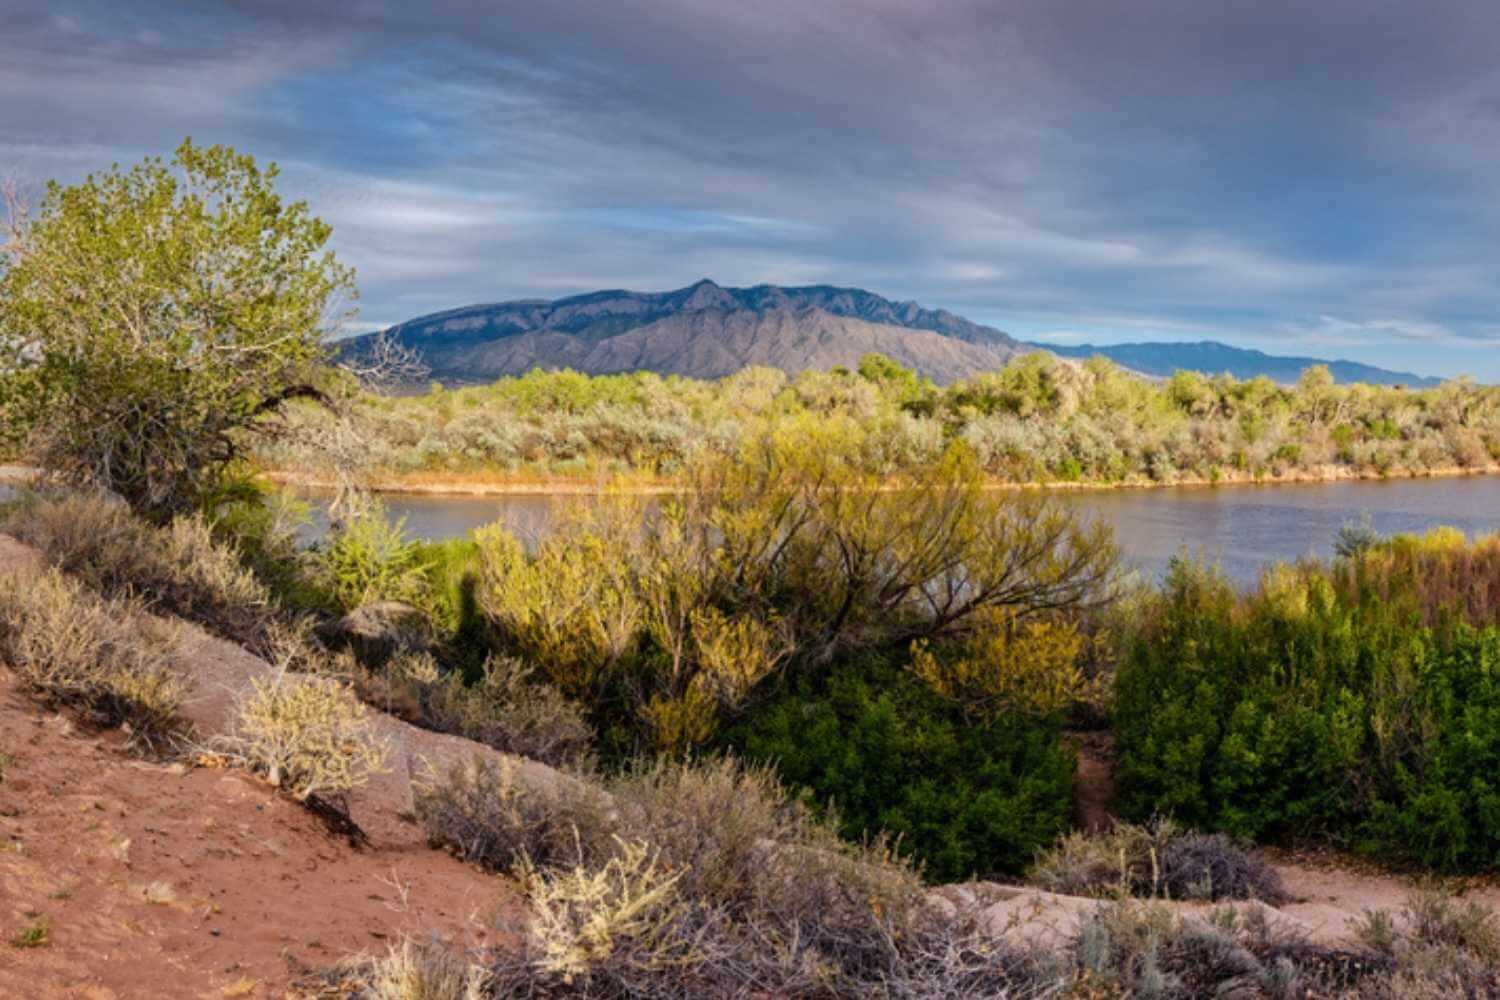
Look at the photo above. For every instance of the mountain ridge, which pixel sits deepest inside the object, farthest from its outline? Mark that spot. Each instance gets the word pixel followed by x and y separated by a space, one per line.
pixel 706 330
pixel 1161 358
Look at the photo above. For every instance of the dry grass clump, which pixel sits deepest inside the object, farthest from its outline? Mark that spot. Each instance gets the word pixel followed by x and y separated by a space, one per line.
pixel 631 928
pixel 106 657
pixel 1156 861
pixel 689 878
pixel 763 857
pixel 308 735
pixel 488 814
pixel 505 709
pixel 430 971
pixel 1435 948
pixel 1439 946
pixel 623 915
pixel 179 568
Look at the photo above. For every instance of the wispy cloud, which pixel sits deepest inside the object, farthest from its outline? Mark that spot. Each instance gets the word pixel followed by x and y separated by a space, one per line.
pixel 1281 174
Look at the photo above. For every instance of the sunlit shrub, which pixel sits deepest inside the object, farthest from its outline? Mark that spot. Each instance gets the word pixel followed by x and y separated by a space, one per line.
pixel 308 735
pixel 1008 665
pixel 368 558
pixel 180 568
pixel 107 657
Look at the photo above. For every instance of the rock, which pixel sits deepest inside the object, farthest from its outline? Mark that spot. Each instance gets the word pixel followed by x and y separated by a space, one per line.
pixel 377 631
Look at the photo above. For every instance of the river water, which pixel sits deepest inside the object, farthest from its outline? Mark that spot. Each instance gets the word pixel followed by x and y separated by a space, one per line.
pixel 1242 528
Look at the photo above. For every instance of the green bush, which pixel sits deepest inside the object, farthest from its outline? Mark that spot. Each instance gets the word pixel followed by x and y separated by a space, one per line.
pixel 1329 703
pixel 964 797
pixel 369 558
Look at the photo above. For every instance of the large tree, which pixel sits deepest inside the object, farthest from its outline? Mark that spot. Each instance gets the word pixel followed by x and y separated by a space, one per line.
pixel 153 320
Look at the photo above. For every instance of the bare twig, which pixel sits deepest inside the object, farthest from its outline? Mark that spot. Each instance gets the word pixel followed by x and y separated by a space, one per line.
pixel 383 363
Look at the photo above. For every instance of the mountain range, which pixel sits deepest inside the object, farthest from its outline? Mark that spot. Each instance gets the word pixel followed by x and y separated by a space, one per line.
pixel 1162 359
pixel 708 331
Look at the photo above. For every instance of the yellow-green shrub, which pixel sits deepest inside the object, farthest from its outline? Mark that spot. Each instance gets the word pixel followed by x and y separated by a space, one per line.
pixel 667 618
pixel 1007 664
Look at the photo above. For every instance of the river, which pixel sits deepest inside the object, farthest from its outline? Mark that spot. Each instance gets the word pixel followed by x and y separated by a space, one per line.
pixel 1242 528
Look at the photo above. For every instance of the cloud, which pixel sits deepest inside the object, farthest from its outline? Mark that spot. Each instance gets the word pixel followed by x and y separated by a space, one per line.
pixel 1275 171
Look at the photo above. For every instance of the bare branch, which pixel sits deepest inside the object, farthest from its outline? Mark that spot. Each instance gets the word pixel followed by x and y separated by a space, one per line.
pixel 14 221
pixel 384 363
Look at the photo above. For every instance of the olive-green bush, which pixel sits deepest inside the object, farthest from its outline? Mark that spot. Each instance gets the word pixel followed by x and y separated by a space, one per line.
pixel 1038 419
pixel 964 796
pixel 1356 703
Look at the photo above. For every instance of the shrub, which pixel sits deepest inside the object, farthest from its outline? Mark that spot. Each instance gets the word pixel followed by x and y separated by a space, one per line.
pixel 714 885
pixel 107 657
pixel 180 568
pixel 431 971
pixel 1155 861
pixel 308 735
pixel 505 709
pixel 487 813
pixel 1120 863
pixel 965 797
pixel 156 320
pixel 368 558
pixel 624 929
pixel 1322 704
pixel 1211 866
pixel 760 856
pixel 1008 665
pixel 619 919
pixel 1146 950
pixel 787 556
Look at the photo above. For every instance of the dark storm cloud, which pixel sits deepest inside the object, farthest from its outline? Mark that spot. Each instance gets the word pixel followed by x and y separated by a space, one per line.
pixel 1300 175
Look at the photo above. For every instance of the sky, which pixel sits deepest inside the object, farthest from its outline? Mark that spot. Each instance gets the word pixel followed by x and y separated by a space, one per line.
pixel 1308 178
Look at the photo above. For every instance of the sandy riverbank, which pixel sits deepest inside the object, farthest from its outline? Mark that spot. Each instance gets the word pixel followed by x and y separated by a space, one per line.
pixel 489 484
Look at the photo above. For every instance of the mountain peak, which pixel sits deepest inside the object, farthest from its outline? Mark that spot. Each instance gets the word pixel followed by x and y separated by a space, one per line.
pixel 705 294
pixel 702 330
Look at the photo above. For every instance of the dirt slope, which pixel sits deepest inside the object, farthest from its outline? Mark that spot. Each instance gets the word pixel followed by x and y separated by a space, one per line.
pixel 163 882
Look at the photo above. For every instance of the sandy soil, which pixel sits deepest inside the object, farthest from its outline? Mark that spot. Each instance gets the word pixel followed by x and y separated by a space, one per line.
pixel 161 881
pixel 480 484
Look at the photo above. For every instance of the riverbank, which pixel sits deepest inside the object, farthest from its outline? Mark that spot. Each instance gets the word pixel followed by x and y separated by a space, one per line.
pixel 488 484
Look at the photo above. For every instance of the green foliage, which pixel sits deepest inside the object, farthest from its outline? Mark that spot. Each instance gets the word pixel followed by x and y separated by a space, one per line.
pixel 1038 419
pixel 785 556
pixel 1356 702
pixel 965 797
pixel 368 558
pixel 154 317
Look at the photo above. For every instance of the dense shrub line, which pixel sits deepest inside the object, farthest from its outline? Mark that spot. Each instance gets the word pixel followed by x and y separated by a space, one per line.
pixel 1357 702
pixel 1039 419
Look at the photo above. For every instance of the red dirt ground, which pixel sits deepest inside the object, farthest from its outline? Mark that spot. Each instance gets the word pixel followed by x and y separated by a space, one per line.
pixel 158 881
